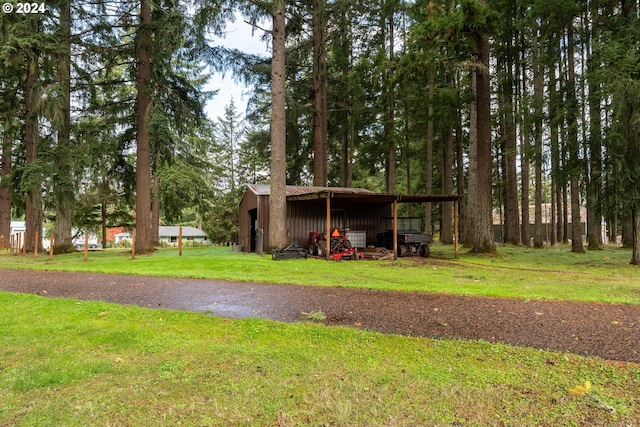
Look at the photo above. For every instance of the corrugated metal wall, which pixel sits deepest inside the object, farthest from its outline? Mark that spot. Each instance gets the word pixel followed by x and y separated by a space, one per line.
pixel 306 216
pixel 310 215
pixel 249 201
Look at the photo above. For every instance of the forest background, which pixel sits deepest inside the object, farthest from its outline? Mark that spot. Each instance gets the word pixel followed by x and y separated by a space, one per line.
pixel 510 103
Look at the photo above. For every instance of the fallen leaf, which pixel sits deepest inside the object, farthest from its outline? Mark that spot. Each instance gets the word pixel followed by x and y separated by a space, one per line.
pixel 581 390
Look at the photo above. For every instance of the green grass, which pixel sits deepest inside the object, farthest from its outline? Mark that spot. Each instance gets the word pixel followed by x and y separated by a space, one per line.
pixel 515 272
pixel 70 363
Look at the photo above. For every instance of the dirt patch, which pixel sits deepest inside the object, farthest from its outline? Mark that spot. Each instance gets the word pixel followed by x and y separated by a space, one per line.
pixel 609 331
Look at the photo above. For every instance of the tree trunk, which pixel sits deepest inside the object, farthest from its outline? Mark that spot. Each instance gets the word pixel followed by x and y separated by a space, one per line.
pixel 627 232
pixel 594 185
pixel 390 128
pixel 512 216
pixel 556 194
pixel 347 115
pixel 630 107
pixel 319 94
pixel 144 244
pixel 565 216
pixel 594 207
pixel 155 211
pixel 63 189
pixel 407 148
pixel 472 189
pixel 525 200
pixel 429 154
pixel 635 252
pixel 538 94
pixel 446 230
pixel 5 195
pixel 277 198
pixel 460 180
pixel 480 201
pixel 525 145
pixel 33 214
pixel 613 229
pixel 104 191
pixel 572 122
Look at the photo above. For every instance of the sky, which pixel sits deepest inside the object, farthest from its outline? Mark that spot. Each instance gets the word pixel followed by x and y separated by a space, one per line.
pixel 238 36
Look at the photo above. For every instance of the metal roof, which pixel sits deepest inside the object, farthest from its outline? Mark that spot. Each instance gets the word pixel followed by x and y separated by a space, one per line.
pixel 168 231
pixel 296 193
pixel 300 190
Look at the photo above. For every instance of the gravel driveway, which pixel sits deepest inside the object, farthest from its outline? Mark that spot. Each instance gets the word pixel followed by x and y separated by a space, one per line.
pixel 605 330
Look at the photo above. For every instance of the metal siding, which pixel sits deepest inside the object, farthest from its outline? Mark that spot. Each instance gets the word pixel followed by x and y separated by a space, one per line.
pixel 248 202
pixel 309 215
pixel 263 220
pixel 306 216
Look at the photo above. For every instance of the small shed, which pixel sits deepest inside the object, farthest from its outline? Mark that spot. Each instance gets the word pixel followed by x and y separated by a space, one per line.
pixel 320 209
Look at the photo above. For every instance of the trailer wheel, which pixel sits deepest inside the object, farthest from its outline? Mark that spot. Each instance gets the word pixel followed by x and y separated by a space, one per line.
pixel 424 251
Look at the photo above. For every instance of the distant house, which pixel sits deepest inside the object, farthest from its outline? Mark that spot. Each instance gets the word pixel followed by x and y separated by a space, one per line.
pixel 17 227
pixel 121 237
pixel 112 232
pixel 169 234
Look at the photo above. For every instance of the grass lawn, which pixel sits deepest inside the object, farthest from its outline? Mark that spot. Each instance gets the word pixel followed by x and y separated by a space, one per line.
pixel 70 363
pixel 516 272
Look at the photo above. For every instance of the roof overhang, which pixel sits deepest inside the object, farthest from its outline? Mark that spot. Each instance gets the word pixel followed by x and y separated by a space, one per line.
pixel 373 197
pixel 359 195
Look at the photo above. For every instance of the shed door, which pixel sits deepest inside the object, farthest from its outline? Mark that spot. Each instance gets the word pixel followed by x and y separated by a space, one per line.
pixel 253 225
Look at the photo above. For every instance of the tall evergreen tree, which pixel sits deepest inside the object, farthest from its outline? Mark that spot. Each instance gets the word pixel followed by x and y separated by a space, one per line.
pixel 144 242
pixel 63 185
pixel 320 136
pixel 278 198
pixel 32 179
pixel 480 176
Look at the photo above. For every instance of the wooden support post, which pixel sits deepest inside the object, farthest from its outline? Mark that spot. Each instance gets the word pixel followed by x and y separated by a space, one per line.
pixel 86 245
pixel 180 241
pixel 51 243
pixel 395 229
pixel 133 244
pixel 328 228
pixel 455 227
pixel 35 246
pixel 24 243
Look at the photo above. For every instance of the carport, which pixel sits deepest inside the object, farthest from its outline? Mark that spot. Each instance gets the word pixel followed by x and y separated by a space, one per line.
pixel 313 208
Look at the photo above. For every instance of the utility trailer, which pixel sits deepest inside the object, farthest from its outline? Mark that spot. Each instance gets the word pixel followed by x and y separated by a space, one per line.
pixel 411 240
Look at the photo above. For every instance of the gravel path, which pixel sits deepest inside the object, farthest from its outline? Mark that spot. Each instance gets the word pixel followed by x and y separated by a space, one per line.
pixel 605 330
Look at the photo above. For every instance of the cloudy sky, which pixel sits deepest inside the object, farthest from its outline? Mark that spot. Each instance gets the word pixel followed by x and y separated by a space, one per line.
pixel 239 37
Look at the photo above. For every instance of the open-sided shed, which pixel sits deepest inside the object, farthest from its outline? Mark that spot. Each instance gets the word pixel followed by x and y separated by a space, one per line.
pixel 320 209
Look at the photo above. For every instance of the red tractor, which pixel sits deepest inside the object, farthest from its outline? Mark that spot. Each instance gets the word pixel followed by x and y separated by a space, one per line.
pixel 340 246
